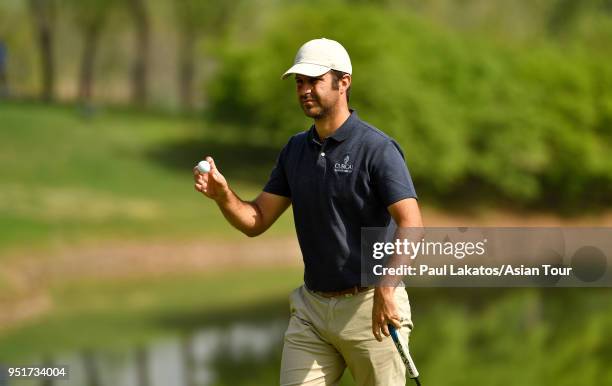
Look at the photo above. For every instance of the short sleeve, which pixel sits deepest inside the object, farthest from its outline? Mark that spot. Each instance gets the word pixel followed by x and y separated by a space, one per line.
pixel 389 174
pixel 278 183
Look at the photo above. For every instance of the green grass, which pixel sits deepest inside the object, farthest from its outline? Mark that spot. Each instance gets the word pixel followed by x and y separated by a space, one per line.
pixel 127 175
pixel 117 174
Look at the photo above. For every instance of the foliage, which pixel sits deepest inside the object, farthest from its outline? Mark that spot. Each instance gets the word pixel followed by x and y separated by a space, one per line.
pixel 527 124
pixel 89 14
pixel 205 16
pixel 493 101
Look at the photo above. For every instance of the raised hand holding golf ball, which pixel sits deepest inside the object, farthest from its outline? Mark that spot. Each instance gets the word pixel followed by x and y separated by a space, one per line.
pixel 203 167
pixel 209 181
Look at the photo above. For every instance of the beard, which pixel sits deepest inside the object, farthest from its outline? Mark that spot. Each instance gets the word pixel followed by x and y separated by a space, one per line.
pixel 316 110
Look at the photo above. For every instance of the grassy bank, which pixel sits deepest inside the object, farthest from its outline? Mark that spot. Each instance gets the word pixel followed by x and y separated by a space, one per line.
pixel 69 177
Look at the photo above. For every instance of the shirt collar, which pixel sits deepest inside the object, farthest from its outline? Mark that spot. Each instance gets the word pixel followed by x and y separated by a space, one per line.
pixel 341 132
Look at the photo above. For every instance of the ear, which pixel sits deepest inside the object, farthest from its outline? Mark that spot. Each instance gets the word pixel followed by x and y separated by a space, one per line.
pixel 345 82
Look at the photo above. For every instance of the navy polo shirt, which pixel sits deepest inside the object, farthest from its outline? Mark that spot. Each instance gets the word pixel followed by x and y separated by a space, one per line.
pixel 336 187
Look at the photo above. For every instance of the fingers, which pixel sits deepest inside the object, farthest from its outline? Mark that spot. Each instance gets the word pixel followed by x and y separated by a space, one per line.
pixel 214 172
pixel 396 322
pixel 385 329
pixel 198 177
pixel 211 184
pixel 201 181
pixel 217 177
pixel 376 331
pixel 380 328
pixel 201 185
pixel 211 161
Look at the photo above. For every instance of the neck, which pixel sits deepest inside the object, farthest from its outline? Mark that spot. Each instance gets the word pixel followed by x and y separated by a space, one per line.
pixel 326 126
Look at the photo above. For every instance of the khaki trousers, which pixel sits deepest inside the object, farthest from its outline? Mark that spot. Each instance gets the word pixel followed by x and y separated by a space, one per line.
pixel 327 335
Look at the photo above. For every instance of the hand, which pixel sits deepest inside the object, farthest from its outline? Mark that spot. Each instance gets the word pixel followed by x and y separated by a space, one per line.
pixel 212 184
pixel 384 311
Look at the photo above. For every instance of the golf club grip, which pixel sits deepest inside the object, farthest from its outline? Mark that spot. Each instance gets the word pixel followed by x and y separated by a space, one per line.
pixel 402 348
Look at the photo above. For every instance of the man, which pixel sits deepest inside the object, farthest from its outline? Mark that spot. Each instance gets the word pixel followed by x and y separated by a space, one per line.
pixel 339 176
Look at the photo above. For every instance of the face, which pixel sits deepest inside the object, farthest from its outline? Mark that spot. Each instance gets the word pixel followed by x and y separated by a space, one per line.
pixel 316 95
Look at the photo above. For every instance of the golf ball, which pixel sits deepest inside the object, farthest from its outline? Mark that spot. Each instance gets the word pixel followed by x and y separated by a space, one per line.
pixel 203 167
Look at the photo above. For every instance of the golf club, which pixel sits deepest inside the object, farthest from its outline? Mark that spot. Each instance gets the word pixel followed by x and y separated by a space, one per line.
pixel 402 348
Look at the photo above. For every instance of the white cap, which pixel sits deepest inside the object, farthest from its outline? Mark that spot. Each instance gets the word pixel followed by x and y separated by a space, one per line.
pixel 319 56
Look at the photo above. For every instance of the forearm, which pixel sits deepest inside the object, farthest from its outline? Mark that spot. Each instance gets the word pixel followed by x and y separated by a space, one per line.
pixel 384 292
pixel 243 215
pixel 250 217
pixel 384 309
pixel 409 227
pixel 398 261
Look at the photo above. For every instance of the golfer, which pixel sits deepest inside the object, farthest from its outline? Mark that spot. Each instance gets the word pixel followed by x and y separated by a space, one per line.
pixel 340 175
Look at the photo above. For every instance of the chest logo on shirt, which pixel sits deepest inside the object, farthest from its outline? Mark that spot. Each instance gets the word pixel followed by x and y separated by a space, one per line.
pixel 345 166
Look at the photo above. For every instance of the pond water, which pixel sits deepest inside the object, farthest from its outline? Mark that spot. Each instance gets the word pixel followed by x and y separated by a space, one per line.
pixel 462 337
pixel 241 353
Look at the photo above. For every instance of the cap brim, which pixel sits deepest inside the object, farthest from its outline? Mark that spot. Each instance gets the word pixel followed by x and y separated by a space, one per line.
pixel 306 69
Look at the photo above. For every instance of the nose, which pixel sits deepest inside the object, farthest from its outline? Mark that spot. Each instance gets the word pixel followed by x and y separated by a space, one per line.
pixel 304 89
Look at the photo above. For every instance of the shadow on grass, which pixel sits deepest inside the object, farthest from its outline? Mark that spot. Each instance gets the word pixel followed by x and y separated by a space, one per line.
pixel 247 162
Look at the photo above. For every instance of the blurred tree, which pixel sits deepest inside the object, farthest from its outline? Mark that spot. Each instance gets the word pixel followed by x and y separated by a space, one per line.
pixel 140 67
pixel 195 18
pixel 90 16
pixel 475 116
pixel 43 14
pixel 564 14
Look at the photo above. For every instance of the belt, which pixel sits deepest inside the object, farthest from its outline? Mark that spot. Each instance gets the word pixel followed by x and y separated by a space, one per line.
pixel 352 291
